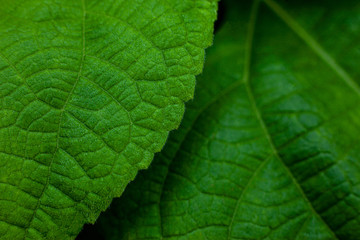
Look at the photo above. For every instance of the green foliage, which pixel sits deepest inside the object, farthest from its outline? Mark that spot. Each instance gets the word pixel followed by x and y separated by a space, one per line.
pixel 269 149
pixel 89 90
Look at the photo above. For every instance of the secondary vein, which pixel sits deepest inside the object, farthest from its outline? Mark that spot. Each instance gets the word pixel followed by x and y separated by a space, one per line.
pixel 313 44
pixel 60 120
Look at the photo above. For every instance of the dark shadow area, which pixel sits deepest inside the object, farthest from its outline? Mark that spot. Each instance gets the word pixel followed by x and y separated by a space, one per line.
pixel 220 16
pixel 89 232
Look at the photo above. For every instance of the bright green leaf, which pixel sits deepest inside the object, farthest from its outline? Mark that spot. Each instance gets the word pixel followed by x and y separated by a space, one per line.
pixel 269 149
pixel 89 90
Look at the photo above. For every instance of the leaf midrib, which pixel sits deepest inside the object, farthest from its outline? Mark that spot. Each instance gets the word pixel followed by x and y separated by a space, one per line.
pixel 257 111
pixel 247 61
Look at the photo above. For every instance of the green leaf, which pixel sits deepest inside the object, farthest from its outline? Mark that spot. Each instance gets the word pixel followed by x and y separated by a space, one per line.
pixel 269 149
pixel 88 93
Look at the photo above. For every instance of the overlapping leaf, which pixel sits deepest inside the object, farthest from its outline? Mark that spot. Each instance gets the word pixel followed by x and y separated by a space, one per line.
pixel 88 92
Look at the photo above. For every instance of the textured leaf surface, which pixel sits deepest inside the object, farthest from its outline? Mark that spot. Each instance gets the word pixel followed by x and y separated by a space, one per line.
pixel 88 92
pixel 269 149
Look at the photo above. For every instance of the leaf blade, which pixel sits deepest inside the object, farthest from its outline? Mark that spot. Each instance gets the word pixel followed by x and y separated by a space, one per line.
pixel 89 91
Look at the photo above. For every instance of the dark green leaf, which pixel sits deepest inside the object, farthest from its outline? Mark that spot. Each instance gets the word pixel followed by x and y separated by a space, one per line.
pixel 269 149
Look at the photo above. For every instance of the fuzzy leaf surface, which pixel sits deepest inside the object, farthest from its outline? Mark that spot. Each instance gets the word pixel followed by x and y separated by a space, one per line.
pixel 89 90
